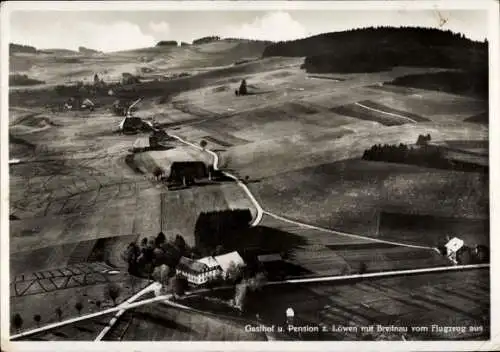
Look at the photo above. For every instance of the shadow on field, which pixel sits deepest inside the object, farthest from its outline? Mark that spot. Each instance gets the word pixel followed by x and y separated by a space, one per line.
pixel 158 318
pixel 231 230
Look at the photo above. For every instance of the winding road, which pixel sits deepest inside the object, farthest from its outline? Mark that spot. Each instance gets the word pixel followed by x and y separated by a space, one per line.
pixel 261 212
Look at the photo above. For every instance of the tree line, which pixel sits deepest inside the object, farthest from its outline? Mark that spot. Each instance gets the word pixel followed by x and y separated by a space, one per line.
pixel 167 43
pixel 375 49
pixel 379 36
pixel 207 39
pixel 423 155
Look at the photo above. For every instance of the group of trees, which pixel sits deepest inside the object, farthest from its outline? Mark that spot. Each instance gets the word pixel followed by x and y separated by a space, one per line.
pixel 470 255
pixel 430 157
pixel 152 252
pixel 167 43
pixel 424 155
pixel 205 40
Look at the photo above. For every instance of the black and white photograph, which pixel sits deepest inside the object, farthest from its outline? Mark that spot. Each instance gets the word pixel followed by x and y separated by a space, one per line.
pixel 258 172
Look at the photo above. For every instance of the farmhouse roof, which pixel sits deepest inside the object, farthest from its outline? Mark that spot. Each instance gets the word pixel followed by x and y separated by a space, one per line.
pixel 209 261
pixel 454 244
pixel 225 260
pixel 191 266
pixel 88 102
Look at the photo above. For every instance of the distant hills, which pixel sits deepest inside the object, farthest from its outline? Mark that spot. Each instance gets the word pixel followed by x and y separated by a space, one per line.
pixel 86 51
pixel 18 48
pixel 374 49
pixel 27 49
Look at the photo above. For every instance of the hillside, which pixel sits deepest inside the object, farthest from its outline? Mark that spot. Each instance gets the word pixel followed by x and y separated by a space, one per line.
pixel 376 49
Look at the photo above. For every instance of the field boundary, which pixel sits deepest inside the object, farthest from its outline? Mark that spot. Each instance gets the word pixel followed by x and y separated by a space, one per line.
pixel 385 112
pixel 278 217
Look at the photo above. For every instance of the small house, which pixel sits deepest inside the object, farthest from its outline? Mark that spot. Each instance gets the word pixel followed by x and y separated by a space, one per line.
pixel 452 247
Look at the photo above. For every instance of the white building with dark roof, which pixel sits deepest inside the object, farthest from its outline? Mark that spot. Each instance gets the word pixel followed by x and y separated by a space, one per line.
pixel 196 272
pixel 200 271
pixel 452 247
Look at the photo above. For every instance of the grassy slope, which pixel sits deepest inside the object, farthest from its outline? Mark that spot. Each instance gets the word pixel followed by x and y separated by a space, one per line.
pixel 162 60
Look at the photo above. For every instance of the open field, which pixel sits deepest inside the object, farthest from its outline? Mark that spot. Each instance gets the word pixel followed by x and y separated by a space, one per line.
pixel 158 322
pixel 349 196
pixel 322 253
pixel 451 299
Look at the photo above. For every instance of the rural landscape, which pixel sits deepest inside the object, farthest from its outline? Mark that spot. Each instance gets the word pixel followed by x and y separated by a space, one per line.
pixel 334 187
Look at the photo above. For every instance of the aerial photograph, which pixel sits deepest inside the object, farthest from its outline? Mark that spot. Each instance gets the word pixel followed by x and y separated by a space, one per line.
pixel 248 175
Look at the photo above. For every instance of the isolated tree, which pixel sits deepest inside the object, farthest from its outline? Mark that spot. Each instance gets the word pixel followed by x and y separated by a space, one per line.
pixel 79 307
pixel 482 254
pixel 98 304
pixel 144 242
pixel 236 92
pixel 180 243
pixel 243 88
pixel 113 292
pixel 160 239
pixel 179 285
pixel 362 267
pixel 17 321
pixel 59 313
pixel 130 256
pixel 203 144
pixel 240 294
pixel 37 318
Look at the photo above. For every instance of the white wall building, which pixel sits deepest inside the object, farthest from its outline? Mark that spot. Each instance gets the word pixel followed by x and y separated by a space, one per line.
pixel 201 271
